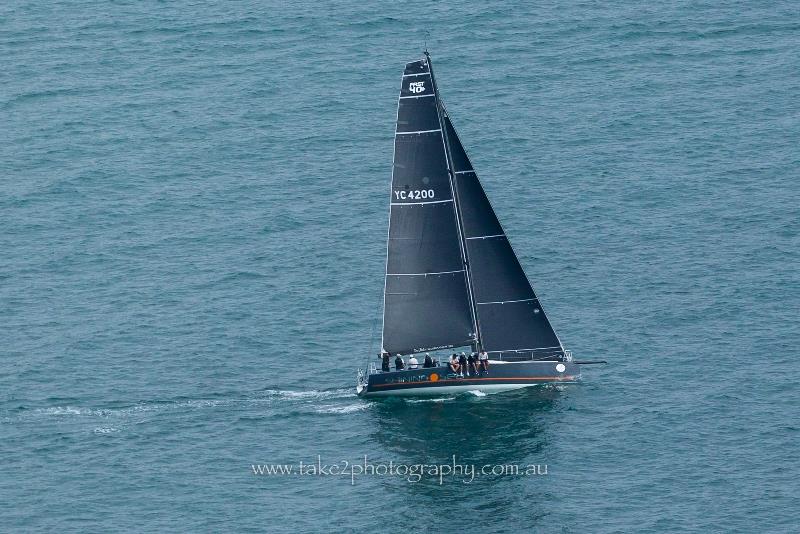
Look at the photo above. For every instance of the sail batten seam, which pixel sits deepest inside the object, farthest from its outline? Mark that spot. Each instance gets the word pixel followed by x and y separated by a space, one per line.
pixel 418 132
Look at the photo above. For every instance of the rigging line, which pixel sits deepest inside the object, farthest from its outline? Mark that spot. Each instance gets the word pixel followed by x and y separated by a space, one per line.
pixel 526 350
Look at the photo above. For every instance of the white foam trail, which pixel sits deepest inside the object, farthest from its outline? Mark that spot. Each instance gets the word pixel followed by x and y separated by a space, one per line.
pixel 60 410
pixel 478 393
pixel 129 411
pixel 311 394
pixel 350 408
pixel 142 408
pixel 200 403
pixel 105 430
pixel 437 399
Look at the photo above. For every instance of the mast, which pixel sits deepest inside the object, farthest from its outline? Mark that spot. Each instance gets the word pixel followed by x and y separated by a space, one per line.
pixel 426 300
pixel 452 278
pixel 451 174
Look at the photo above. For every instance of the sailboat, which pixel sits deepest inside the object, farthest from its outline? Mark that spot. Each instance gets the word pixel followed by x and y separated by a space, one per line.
pixel 452 279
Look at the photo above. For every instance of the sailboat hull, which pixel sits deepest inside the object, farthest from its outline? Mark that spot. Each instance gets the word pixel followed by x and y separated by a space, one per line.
pixel 502 376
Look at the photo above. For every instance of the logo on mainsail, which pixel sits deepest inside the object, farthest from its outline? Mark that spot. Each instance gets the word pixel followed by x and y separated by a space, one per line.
pixel 416 87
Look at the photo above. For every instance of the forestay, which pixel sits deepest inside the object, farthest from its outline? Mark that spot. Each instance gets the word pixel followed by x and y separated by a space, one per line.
pixel 511 321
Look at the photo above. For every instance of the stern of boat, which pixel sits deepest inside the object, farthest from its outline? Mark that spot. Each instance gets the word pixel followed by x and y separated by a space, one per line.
pixel 362 380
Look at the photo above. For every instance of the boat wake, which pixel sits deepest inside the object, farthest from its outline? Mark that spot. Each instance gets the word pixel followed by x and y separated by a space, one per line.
pixel 309 395
pixel 114 418
pixel 318 402
pixel 132 410
pixel 435 399
pixel 349 408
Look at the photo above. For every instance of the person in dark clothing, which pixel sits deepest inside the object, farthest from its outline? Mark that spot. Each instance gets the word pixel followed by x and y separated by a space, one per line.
pixel 399 364
pixel 453 364
pixel 462 364
pixel 472 361
pixel 385 362
pixel 428 363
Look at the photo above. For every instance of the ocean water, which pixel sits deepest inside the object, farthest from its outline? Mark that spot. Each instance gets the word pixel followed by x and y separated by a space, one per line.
pixel 193 205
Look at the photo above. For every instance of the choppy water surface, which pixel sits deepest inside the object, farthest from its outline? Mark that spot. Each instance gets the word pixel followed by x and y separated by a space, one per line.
pixel 192 225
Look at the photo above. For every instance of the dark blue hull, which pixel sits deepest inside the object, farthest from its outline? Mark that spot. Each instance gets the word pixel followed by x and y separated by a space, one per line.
pixel 501 376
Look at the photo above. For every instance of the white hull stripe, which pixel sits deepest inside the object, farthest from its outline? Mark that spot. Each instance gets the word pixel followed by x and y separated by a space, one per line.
pixel 487 236
pixel 416 74
pixel 419 203
pixel 505 301
pixel 414 96
pixel 423 274
pixel 445 390
pixel 465 172
pixel 418 132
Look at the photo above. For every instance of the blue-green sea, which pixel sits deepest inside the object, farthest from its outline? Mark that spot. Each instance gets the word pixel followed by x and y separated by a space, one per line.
pixel 193 213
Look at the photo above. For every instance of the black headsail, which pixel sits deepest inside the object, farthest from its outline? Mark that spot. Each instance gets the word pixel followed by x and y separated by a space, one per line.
pixel 510 319
pixel 426 296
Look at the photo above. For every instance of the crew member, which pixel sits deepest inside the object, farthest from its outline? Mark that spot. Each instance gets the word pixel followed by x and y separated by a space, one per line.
pixel 462 364
pixel 472 360
pixel 453 363
pixel 483 360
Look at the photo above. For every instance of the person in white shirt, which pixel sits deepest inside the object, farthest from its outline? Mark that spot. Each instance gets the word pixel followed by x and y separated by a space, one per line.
pixel 413 363
pixel 483 361
pixel 453 364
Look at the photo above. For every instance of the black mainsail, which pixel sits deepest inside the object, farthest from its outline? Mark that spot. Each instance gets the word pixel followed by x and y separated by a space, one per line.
pixel 452 277
pixel 426 301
